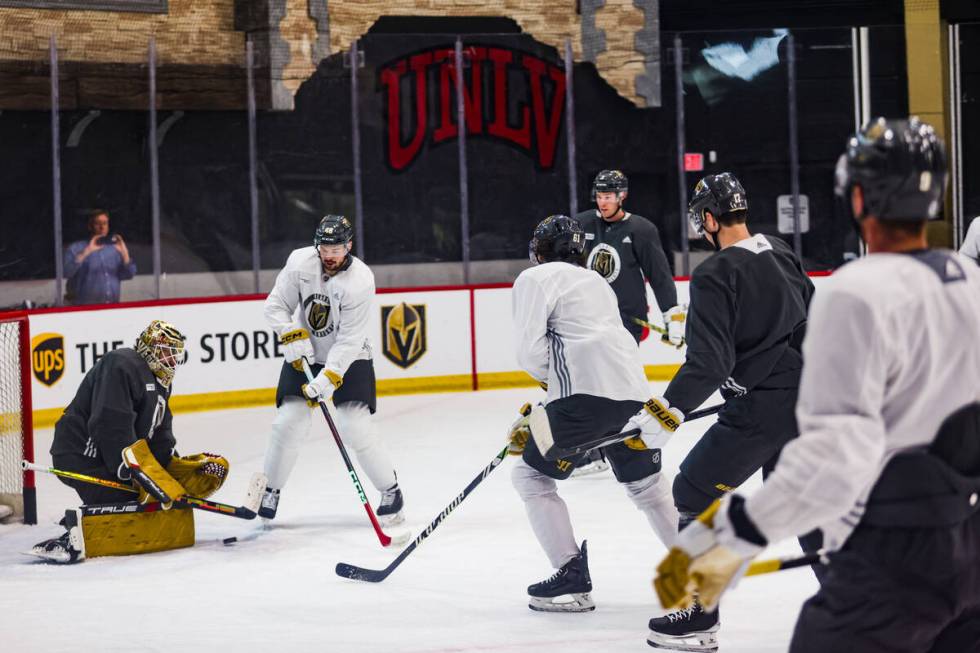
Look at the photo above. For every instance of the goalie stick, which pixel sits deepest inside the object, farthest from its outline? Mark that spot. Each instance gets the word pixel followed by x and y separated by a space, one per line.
pixel 248 511
pixel 354 572
pixel 385 539
pixel 553 450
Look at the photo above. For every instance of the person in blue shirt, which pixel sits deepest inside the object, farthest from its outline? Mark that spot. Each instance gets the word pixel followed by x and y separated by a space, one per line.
pixel 95 268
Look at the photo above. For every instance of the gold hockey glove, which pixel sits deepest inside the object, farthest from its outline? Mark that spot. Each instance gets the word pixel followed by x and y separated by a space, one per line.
pixel 201 474
pixel 520 431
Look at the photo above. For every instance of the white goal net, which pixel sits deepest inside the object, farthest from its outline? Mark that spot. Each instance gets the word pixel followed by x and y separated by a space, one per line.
pixel 16 433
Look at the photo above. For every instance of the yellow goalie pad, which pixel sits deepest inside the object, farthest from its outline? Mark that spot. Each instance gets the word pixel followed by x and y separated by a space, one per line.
pixel 201 474
pixel 127 533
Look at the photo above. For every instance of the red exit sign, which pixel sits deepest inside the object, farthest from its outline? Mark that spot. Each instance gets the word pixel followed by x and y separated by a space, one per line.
pixel 693 162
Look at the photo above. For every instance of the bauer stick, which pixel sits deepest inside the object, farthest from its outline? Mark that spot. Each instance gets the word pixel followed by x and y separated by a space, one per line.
pixel 256 486
pixel 377 575
pixel 557 451
pixel 385 539
pixel 662 331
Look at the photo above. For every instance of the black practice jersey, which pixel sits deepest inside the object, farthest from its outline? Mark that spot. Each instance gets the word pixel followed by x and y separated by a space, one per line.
pixel 624 252
pixel 118 402
pixel 745 323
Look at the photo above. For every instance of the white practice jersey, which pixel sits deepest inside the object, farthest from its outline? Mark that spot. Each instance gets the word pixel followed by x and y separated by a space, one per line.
pixel 971 244
pixel 890 352
pixel 334 309
pixel 570 335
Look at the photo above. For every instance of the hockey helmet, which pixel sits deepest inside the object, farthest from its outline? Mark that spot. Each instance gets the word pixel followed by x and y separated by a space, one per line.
pixel 609 181
pixel 333 230
pixel 900 166
pixel 161 345
pixel 717 194
pixel 557 238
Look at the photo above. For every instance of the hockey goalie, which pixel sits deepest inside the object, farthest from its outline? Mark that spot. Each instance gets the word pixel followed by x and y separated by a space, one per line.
pixel 118 428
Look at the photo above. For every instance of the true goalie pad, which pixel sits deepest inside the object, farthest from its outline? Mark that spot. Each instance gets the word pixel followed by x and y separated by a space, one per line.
pixel 201 475
pixel 128 528
pixel 155 482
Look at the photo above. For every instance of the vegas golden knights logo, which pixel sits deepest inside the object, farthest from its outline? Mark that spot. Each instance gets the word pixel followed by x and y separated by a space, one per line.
pixel 604 259
pixel 48 357
pixel 603 264
pixel 318 315
pixel 403 333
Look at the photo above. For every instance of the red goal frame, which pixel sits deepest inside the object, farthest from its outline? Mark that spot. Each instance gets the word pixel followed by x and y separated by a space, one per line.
pixel 27 413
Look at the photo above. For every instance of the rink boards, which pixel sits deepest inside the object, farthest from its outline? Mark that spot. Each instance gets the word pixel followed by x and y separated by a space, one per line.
pixel 423 340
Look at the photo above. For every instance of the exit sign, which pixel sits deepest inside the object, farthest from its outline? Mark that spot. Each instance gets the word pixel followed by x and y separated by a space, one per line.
pixel 693 162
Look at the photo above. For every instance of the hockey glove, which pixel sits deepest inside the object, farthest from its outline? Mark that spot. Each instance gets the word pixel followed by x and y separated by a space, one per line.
pixel 657 421
pixel 709 556
pixel 155 482
pixel 520 431
pixel 201 475
pixel 674 322
pixel 296 345
pixel 323 386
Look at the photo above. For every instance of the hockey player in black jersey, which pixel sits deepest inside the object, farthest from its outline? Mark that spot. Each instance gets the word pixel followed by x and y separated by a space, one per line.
pixel 744 328
pixel 624 248
pixel 120 421
pixel 887 462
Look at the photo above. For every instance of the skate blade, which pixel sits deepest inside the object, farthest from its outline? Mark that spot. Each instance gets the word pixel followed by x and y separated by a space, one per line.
pixel 705 641
pixel 388 521
pixel 49 556
pixel 564 603
pixel 589 470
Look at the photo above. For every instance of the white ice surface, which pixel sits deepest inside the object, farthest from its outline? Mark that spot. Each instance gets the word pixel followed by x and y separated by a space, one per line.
pixel 463 590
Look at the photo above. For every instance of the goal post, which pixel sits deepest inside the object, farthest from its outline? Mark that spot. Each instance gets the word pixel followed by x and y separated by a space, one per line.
pixel 16 420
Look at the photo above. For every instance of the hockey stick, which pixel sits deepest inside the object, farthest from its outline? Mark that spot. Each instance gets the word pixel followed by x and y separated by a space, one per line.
pixel 664 336
pixel 777 564
pixel 385 539
pixel 556 451
pixel 256 486
pixel 354 572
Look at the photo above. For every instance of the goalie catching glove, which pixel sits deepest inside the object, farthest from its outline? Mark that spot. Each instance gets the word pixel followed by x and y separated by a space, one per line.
pixel 709 556
pixel 520 431
pixel 201 475
pixel 296 346
pixel 322 387
pixel 656 421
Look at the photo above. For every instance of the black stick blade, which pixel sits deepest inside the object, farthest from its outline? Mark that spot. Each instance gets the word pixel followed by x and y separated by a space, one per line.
pixel 354 572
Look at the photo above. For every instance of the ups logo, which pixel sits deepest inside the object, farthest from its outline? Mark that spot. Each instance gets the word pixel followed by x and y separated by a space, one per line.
pixel 48 357
pixel 403 333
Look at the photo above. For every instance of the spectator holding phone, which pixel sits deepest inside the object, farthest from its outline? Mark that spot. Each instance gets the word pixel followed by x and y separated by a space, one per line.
pixel 95 267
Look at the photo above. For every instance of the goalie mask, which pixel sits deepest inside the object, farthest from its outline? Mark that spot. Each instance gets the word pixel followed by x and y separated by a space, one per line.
pixel 162 347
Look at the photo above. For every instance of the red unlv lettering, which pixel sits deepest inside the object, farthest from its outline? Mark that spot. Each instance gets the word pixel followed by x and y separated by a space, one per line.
pixel 534 129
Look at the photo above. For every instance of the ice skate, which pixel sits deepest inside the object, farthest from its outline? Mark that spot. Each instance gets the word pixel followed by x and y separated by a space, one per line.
pixel 270 503
pixel 67 549
pixel 390 507
pixel 567 590
pixel 692 629
pixel 594 464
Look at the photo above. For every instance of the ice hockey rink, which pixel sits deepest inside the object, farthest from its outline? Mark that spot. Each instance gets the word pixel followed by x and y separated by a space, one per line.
pixel 463 590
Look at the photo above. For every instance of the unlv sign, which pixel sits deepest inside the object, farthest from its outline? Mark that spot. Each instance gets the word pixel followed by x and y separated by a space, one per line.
pixel 421 85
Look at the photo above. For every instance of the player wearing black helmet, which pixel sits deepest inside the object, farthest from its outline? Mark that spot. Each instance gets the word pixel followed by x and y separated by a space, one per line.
pixel 321 307
pixel 745 325
pixel 887 463
pixel 624 248
pixel 570 338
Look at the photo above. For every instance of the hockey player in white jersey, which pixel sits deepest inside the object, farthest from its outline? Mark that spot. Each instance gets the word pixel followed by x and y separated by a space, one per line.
pixel 571 339
pixel 888 458
pixel 320 307
pixel 971 243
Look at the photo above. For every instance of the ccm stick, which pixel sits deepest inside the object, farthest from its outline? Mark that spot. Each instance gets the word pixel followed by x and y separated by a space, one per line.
pixel 382 537
pixel 255 488
pixel 377 575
